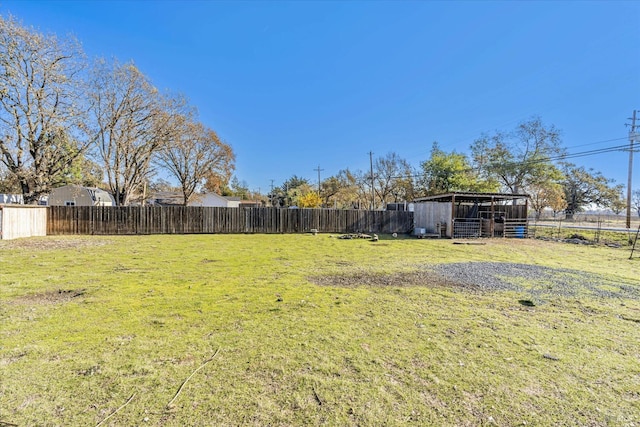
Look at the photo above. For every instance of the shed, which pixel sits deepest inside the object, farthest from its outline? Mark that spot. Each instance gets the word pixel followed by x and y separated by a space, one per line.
pixel 467 215
pixel 22 221
pixel 76 195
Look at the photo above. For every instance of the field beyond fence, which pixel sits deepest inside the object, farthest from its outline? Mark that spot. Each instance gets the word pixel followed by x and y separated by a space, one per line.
pixel 103 220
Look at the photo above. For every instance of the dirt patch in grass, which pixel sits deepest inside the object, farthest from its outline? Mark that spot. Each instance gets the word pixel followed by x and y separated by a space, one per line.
pixel 406 279
pixel 51 297
pixel 51 243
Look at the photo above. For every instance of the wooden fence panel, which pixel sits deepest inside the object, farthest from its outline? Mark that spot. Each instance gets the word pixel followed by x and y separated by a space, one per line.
pixel 22 221
pixel 107 220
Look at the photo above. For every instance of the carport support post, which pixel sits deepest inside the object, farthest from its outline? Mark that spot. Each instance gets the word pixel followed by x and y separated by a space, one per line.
pixel 492 219
pixel 453 213
pixel 526 216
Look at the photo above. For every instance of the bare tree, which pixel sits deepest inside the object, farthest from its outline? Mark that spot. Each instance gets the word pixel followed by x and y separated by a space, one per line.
pixel 132 120
pixel 194 155
pixel 635 201
pixel 341 190
pixel 389 177
pixel 8 181
pixel 41 107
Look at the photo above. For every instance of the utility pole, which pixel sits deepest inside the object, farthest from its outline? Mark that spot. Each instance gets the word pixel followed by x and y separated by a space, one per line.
pixel 632 138
pixel 318 170
pixel 373 197
pixel 271 195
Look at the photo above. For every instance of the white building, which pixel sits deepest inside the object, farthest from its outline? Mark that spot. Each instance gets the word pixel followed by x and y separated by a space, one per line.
pixel 209 200
pixel 214 200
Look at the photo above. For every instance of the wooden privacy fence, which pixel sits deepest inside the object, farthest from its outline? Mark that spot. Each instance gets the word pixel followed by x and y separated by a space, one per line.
pixel 22 221
pixel 107 220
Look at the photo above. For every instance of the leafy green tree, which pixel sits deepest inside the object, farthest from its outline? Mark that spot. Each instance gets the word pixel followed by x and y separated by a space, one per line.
pixel 619 204
pixel 289 192
pixel 584 187
pixel 521 158
pixel 341 190
pixel 295 195
pixel 329 188
pixel 83 171
pixel 239 188
pixel 293 183
pixel 447 172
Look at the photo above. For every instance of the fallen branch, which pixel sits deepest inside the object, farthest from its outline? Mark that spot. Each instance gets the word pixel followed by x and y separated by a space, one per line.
pixel 79 293
pixel 189 377
pixel 114 412
pixel 469 243
pixel 315 394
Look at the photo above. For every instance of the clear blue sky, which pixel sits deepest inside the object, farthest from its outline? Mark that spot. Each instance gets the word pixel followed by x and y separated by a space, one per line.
pixel 296 85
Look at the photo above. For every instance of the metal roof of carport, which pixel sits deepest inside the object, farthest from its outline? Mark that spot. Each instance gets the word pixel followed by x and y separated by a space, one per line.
pixel 471 197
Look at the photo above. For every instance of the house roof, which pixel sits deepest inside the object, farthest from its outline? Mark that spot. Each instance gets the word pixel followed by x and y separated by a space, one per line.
pixel 471 197
pixel 168 198
pixel 171 198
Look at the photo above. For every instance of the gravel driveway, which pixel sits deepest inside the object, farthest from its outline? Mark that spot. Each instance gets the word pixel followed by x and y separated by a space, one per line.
pixel 539 282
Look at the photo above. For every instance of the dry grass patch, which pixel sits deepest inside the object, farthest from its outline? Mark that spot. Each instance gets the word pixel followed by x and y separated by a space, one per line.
pixel 50 297
pixel 52 243
pixel 401 280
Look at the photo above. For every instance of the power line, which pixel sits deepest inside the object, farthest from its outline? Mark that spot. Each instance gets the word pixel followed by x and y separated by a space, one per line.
pixel 598 142
pixel 549 159
pixel 554 158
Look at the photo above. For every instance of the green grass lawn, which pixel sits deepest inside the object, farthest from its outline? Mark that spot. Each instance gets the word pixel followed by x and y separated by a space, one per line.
pixel 308 330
